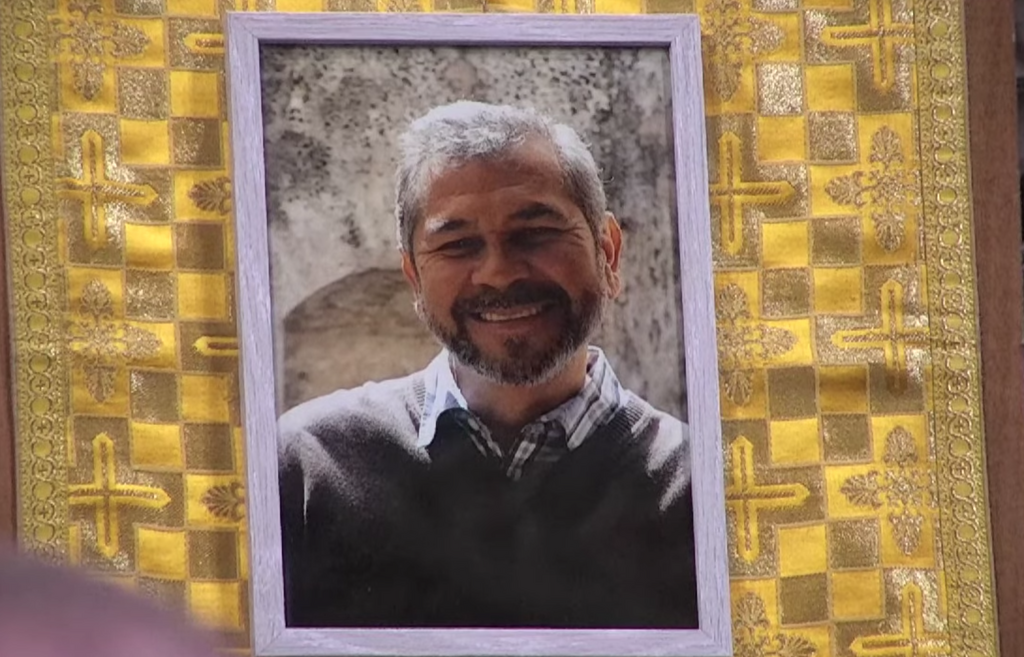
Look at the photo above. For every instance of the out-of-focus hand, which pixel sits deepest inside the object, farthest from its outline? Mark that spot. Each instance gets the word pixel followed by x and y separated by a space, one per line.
pixel 51 611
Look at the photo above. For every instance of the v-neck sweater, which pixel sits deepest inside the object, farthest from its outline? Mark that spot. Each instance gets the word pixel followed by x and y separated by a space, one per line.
pixel 381 532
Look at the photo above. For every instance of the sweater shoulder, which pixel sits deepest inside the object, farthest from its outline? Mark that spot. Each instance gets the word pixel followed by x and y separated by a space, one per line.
pixel 662 432
pixel 664 443
pixel 381 407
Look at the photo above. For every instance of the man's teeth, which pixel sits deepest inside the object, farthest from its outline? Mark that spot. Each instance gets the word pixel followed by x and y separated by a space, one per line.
pixel 509 315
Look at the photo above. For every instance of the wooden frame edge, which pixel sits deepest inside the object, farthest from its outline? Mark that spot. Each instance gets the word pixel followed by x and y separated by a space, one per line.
pixel 243 29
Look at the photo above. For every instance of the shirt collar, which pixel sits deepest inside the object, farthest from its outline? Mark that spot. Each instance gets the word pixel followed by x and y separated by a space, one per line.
pixel 600 397
pixel 441 394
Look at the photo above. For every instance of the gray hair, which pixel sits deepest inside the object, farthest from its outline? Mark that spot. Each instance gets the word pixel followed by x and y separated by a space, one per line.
pixel 453 134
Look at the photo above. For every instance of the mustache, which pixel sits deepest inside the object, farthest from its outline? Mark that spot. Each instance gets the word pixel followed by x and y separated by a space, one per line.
pixel 517 294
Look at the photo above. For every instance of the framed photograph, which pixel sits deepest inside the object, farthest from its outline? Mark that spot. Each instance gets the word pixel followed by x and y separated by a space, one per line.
pixel 479 365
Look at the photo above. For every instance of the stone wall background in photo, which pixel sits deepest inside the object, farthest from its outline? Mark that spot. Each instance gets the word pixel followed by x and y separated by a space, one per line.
pixel 342 313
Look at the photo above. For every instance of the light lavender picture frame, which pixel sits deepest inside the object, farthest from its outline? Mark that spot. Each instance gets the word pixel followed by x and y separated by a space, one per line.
pixel 680 36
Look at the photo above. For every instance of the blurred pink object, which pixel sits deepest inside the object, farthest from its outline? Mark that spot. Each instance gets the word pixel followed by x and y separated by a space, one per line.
pixel 52 611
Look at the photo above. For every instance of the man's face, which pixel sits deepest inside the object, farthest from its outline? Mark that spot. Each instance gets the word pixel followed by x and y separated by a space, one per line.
pixel 507 272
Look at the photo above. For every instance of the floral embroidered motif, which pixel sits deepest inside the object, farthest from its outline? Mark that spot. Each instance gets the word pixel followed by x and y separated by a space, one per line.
pixel 226 502
pixel 753 635
pixel 889 191
pixel 743 342
pixel 93 41
pixel 732 39
pixel 101 346
pixel 212 195
pixel 904 486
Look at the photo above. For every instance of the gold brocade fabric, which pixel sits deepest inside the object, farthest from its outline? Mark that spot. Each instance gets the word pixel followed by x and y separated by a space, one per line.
pixel 844 282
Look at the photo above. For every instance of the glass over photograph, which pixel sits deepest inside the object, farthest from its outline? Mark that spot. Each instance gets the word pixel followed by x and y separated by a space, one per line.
pixel 478 339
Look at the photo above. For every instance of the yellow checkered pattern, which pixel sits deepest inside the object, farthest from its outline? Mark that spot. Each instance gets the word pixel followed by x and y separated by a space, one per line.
pixel 827 196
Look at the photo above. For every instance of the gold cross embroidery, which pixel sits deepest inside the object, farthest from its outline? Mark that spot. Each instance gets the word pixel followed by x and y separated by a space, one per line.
pixel 747 499
pixel 204 43
pixel 894 337
pixel 913 641
pixel 881 34
pixel 106 495
pixel 216 347
pixel 212 43
pixel 731 194
pixel 95 191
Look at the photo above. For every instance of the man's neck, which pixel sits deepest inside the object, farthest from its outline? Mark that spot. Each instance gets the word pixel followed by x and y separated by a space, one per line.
pixel 507 409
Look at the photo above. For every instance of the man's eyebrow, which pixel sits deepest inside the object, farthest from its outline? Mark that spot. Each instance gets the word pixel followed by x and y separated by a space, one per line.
pixel 441 225
pixel 537 210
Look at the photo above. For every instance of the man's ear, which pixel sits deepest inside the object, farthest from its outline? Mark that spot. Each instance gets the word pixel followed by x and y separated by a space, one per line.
pixel 409 270
pixel 611 245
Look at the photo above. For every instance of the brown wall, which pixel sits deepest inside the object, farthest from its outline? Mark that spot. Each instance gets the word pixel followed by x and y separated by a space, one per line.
pixel 8 524
pixel 992 98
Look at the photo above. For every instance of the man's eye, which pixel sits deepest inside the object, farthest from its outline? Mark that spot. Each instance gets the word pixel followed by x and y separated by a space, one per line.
pixel 535 235
pixel 459 247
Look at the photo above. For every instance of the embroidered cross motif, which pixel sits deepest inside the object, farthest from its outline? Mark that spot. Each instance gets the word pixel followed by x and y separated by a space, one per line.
pixel 892 336
pixel 107 496
pixel 732 193
pixel 913 641
pixel 746 498
pixel 96 191
pixel 216 346
pixel 882 35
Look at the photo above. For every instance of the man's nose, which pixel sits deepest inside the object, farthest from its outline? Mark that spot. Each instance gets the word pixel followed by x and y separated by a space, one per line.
pixel 499 267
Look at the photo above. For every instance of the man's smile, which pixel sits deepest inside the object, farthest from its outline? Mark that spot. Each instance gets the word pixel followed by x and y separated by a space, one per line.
pixel 512 313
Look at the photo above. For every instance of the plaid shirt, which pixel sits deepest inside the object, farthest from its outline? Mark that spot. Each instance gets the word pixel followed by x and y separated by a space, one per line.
pixel 541 442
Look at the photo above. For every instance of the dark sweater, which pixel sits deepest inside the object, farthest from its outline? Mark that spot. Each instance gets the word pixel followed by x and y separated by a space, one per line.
pixel 378 531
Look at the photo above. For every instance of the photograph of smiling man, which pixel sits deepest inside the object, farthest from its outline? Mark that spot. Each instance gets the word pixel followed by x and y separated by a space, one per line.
pixel 470 436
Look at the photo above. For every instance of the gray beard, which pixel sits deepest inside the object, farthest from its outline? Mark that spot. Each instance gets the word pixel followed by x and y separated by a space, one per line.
pixel 518 367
